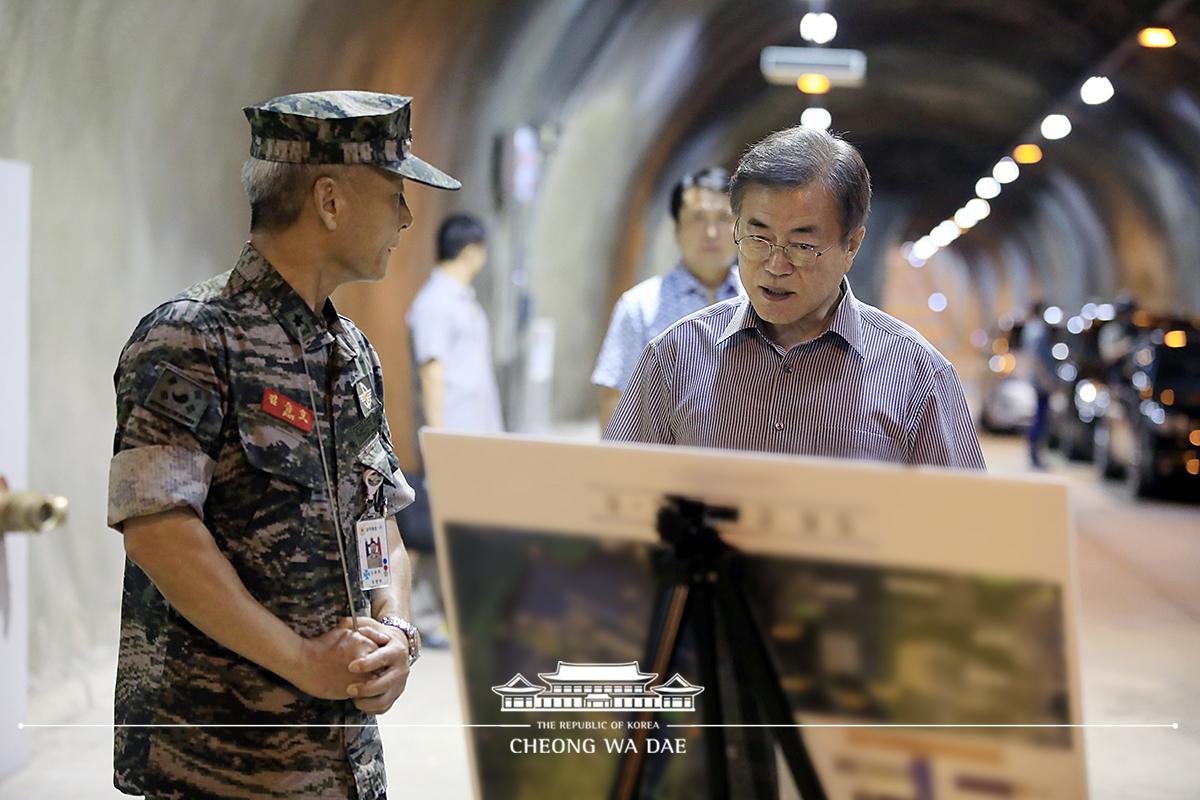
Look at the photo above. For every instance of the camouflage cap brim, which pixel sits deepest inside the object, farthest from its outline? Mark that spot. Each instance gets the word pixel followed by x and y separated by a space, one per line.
pixel 420 171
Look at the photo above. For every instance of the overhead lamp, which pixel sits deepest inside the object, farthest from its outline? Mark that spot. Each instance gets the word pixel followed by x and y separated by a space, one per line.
pixel 1006 170
pixel 924 248
pixel 818 28
pixel 1055 126
pixel 1052 315
pixel 945 232
pixel 1156 37
pixel 813 83
pixel 963 219
pixel 1096 90
pixel 987 188
pixel 937 302
pixel 978 208
pixel 817 118
pixel 1027 153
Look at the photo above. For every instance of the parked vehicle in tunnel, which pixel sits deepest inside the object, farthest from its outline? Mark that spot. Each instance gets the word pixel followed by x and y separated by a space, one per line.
pixel 1081 396
pixel 1150 429
pixel 1007 396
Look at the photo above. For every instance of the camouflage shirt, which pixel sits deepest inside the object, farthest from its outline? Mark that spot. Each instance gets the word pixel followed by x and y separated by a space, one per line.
pixel 214 413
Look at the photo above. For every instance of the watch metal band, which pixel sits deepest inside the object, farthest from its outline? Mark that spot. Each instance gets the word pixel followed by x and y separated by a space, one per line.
pixel 410 631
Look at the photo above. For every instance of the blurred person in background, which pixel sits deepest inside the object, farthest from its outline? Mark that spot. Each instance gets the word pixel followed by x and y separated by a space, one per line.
pixel 252 466
pixel 799 365
pixel 705 274
pixel 1037 342
pixel 452 356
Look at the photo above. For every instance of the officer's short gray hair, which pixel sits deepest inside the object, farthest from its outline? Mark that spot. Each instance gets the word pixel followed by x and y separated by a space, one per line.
pixel 795 157
pixel 277 191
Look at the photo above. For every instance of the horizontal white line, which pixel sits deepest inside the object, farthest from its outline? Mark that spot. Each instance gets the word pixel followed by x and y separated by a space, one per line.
pixel 23 725
pixel 1172 725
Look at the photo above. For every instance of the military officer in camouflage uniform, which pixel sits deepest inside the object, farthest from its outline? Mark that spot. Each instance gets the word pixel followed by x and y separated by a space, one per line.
pixel 251 458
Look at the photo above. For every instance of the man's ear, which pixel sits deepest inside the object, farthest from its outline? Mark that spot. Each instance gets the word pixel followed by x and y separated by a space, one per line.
pixel 327 199
pixel 856 240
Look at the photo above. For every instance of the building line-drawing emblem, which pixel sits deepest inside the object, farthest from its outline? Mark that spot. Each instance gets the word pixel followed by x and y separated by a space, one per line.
pixel 598 687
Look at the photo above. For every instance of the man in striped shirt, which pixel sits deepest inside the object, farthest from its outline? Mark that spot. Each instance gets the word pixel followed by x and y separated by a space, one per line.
pixel 799 365
pixel 704 275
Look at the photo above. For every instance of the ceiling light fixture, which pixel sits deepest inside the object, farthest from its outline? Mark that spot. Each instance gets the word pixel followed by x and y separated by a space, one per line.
pixel 987 188
pixel 1156 37
pixel 1096 90
pixel 817 118
pixel 813 83
pixel 1006 170
pixel 818 28
pixel 1056 126
pixel 1027 154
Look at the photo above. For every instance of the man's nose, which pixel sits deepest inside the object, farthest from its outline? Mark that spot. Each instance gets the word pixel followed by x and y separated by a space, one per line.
pixel 406 217
pixel 777 263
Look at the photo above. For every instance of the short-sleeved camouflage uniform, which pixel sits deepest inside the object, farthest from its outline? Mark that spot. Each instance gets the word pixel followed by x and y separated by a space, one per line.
pixel 193 430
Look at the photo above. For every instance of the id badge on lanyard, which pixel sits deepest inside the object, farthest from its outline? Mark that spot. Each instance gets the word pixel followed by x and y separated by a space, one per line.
pixel 371 533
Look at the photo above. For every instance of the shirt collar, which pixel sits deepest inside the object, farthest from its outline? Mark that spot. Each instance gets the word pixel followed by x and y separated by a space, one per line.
pixel 439 276
pixel 290 311
pixel 846 322
pixel 683 281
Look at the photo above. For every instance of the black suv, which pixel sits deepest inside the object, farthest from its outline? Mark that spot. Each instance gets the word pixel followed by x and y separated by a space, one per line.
pixel 1150 430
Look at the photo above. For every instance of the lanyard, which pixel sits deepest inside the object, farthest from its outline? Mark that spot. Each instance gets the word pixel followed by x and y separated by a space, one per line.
pixel 335 505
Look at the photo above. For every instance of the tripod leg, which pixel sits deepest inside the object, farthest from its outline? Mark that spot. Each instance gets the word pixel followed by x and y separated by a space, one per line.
pixel 704 626
pixel 754 660
pixel 672 603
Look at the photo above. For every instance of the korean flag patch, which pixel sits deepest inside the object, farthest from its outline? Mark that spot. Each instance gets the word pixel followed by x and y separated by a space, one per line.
pixel 178 397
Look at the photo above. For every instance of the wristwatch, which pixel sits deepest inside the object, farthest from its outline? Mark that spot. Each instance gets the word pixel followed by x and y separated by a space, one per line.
pixel 410 630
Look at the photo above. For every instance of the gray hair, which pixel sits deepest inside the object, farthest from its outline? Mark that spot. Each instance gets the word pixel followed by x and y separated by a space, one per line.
pixel 277 191
pixel 795 157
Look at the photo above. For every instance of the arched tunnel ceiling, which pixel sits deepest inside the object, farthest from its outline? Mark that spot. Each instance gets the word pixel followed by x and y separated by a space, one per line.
pixel 950 86
pixel 641 90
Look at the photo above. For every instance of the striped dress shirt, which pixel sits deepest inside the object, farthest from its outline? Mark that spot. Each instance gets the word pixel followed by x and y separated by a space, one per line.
pixel 869 387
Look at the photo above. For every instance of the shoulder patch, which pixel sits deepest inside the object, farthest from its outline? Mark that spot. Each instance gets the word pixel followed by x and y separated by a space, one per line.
pixel 178 397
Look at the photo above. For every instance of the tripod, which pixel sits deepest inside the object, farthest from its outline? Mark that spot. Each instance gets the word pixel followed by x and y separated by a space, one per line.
pixel 697 580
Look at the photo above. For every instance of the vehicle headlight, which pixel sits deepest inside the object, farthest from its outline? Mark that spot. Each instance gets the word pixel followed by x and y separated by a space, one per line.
pixel 1091 398
pixel 1170 423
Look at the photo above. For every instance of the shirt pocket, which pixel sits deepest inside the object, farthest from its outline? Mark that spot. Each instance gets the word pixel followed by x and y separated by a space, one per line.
pixel 856 444
pixel 277 533
pixel 281 450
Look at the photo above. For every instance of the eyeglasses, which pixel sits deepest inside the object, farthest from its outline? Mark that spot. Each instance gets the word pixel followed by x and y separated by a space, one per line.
pixel 798 254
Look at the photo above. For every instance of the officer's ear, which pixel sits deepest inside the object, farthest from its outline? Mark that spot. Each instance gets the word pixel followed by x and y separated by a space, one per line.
pixel 327 199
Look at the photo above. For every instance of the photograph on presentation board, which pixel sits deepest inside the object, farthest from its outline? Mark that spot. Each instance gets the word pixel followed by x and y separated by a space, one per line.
pixel 876 618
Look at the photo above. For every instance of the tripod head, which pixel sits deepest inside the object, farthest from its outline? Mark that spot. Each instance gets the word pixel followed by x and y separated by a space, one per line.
pixel 688 527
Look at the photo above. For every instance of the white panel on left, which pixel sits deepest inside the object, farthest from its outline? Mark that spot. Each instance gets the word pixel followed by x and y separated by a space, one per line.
pixel 14 458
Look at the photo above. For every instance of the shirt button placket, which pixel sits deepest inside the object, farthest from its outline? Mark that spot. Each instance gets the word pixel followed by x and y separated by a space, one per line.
pixel 781 391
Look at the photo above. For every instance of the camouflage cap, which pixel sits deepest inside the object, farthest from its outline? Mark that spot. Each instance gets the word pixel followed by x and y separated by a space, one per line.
pixel 342 127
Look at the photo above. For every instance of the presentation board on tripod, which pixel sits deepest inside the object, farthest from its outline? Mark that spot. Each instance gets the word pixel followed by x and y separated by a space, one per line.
pixel 919 622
